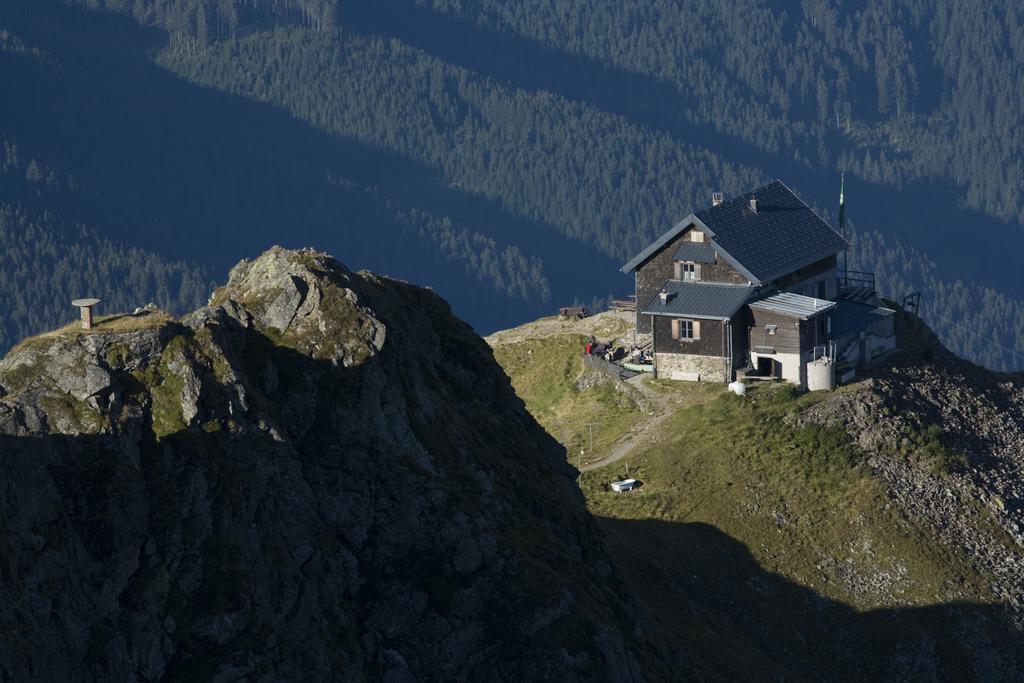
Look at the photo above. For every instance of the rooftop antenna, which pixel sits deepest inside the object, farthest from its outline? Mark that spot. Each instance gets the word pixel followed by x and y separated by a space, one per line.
pixel 85 305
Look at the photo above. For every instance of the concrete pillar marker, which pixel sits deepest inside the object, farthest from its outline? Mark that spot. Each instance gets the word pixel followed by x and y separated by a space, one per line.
pixel 86 306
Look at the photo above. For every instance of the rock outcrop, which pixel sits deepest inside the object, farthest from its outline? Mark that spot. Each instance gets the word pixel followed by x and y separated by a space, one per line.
pixel 947 438
pixel 320 475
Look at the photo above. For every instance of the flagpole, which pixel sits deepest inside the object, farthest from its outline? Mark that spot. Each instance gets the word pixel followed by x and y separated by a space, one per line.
pixel 842 218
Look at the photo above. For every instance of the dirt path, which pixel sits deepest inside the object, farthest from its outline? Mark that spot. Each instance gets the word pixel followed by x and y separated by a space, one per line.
pixel 645 432
pixel 610 325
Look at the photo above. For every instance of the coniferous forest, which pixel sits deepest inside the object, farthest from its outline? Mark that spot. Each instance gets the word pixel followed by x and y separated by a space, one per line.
pixel 511 155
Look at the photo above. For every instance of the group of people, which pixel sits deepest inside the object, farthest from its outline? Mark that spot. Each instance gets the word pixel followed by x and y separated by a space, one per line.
pixel 596 348
pixel 613 353
pixel 640 357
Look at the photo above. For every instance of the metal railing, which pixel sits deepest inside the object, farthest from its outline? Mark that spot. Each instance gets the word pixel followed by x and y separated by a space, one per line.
pixel 826 351
pixel 855 279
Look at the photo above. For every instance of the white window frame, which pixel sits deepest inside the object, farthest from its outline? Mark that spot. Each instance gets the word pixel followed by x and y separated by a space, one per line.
pixel 681 325
pixel 688 271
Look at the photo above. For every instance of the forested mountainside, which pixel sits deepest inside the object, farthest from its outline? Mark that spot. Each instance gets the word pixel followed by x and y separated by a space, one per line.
pixel 513 155
pixel 46 261
pixel 44 265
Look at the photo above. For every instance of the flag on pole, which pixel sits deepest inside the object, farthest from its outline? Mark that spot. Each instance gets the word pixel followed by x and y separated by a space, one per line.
pixel 842 218
pixel 842 205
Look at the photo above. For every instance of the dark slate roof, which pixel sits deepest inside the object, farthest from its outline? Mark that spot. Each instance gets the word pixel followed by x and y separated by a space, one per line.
pixel 700 300
pixel 783 236
pixel 850 316
pixel 698 252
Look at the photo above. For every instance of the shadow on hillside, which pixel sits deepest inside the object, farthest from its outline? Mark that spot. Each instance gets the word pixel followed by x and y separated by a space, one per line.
pixel 708 588
pixel 194 500
pixel 924 215
pixel 196 173
pixel 209 521
pixel 919 344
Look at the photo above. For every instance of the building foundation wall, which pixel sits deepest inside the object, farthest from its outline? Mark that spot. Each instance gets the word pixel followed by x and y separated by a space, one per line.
pixel 690 367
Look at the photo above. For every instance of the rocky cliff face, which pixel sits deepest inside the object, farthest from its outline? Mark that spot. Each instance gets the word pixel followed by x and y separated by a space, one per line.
pixel 321 474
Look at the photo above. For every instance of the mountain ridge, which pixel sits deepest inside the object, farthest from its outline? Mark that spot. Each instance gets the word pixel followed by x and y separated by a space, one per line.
pixel 319 474
pixel 324 473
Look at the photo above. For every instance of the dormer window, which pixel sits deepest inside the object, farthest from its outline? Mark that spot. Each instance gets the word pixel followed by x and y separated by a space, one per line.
pixel 687 270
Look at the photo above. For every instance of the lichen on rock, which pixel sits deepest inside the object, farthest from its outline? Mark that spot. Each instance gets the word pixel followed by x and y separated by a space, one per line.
pixel 304 300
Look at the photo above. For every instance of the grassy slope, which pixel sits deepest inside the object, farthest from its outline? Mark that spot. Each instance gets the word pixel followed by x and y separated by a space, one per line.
pixel 752 528
pixel 795 496
pixel 547 372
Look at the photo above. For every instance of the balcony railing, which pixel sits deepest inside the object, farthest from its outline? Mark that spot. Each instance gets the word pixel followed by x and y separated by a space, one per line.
pixel 855 279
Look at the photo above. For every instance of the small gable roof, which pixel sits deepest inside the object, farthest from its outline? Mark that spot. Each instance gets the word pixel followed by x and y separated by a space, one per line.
pixel 784 234
pixel 715 300
pixel 698 252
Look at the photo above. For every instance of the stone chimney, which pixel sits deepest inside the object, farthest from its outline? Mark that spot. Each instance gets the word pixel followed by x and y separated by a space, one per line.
pixel 753 204
pixel 717 198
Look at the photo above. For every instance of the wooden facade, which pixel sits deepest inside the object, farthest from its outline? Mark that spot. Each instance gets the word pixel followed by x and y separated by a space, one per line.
pixel 711 343
pixel 749 329
pixel 660 268
pixel 714 338
pixel 790 335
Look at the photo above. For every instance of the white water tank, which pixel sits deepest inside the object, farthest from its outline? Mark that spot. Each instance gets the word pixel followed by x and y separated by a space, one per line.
pixel 821 375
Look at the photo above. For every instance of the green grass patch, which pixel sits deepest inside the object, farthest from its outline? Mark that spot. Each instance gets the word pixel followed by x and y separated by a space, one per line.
pixel 928 449
pixel 63 407
pixel 791 494
pixel 798 497
pixel 545 374
pixel 22 377
pixel 165 388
